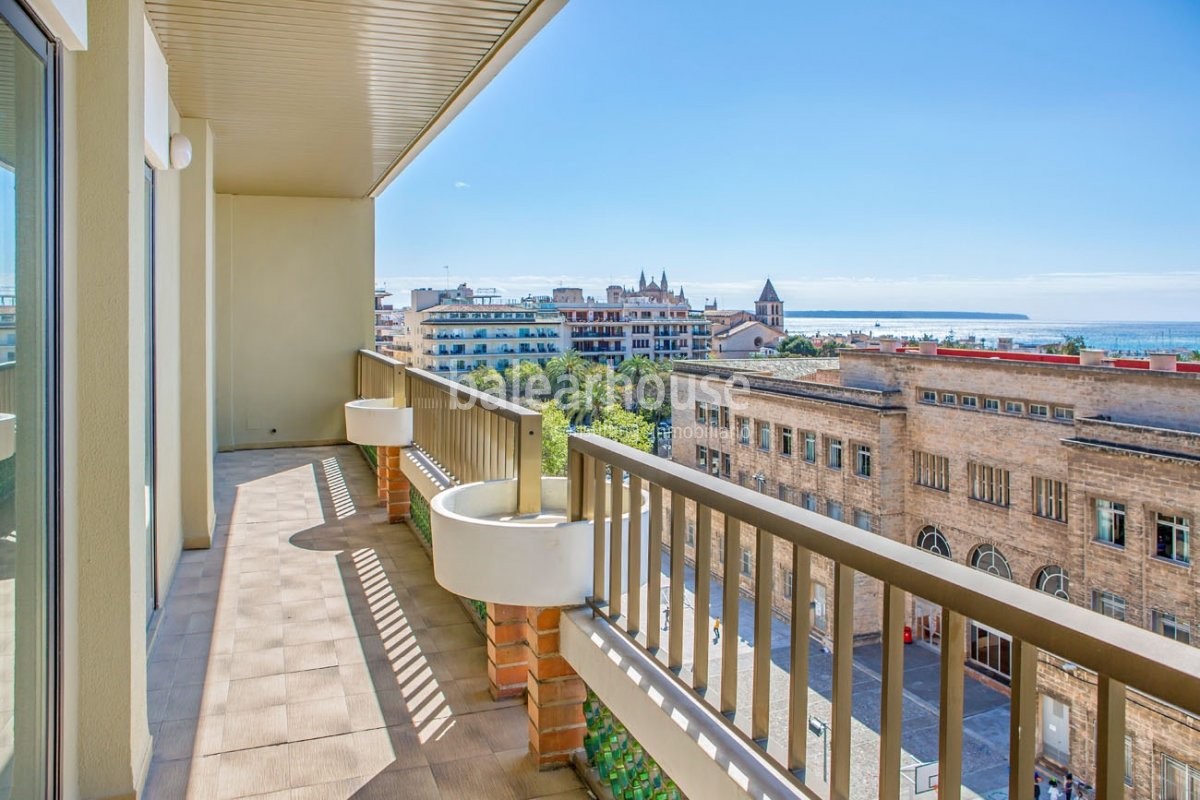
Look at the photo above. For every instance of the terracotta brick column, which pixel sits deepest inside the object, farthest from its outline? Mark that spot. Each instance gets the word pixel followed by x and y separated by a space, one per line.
pixel 556 693
pixel 506 651
pixel 393 486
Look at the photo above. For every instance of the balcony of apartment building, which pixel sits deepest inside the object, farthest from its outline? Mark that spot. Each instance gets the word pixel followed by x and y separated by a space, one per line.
pixel 754 705
pixel 211 601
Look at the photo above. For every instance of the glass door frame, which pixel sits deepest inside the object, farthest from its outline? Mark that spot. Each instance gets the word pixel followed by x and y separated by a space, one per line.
pixel 28 28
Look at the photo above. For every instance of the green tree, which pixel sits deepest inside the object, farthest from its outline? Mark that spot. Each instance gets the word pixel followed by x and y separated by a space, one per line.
pixel 561 370
pixel 797 345
pixel 485 379
pixel 526 379
pixel 554 440
pixel 829 348
pixel 1070 346
pixel 626 427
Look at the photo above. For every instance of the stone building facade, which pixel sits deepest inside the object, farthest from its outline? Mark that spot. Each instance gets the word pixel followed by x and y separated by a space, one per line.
pixel 1081 480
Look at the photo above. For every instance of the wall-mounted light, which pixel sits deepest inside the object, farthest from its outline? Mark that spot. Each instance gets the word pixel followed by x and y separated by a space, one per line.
pixel 181 151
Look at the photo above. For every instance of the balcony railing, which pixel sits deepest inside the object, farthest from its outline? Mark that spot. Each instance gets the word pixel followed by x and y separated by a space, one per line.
pixel 378 377
pixel 473 436
pixel 1120 655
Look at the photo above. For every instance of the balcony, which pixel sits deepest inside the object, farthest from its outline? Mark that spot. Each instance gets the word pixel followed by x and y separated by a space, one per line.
pixel 839 715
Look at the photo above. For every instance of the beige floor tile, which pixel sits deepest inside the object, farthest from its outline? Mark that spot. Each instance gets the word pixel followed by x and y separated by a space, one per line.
pixel 314 684
pixel 472 778
pixel 258 728
pixel 340 790
pixel 306 632
pixel 256 771
pixel 257 664
pixel 415 782
pixel 528 782
pixel 317 761
pixel 311 719
pixel 452 738
pixel 314 655
pixel 252 693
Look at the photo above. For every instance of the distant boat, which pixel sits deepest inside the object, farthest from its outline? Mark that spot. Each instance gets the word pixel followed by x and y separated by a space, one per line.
pixel 877 323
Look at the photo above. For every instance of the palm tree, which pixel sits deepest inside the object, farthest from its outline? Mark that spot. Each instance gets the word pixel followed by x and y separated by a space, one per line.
pixel 565 367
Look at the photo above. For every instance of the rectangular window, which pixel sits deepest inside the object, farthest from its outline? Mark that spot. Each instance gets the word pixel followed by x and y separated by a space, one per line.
pixel 701 457
pixel 810 447
pixel 714 462
pixel 1170 626
pixel 689 538
pixel 701 413
pixel 1014 407
pixel 743 425
pixel 862 519
pixel 862 460
pixel 991 404
pixel 833 453
pixel 1110 522
pixel 949 399
pixel 1128 761
pixel 785 493
pixel 724 416
pixel 928 396
pixel 725 464
pixel 987 483
pixel 714 418
pixel 1108 604
pixel 1179 780
pixel 764 436
pixel 1171 541
pixel 747 563
pixel 820 619
pixel 1039 410
pixel 834 509
pixel 1050 499
pixel 809 501
pixel 932 471
pixel 788 579
pixel 1064 414
pixel 785 441
pixel 969 401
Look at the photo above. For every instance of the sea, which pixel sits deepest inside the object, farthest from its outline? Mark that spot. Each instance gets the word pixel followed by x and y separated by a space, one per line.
pixel 1133 338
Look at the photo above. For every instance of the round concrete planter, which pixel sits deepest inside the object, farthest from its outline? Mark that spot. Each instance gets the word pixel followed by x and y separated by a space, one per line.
pixel 8 436
pixel 483 550
pixel 378 423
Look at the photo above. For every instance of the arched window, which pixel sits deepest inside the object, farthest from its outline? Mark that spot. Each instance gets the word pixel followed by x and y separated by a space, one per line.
pixel 1053 580
pixel 989 559
pixel 931 539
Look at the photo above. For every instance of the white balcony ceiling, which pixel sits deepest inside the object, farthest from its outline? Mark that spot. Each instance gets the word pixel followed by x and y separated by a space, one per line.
pixel 332 97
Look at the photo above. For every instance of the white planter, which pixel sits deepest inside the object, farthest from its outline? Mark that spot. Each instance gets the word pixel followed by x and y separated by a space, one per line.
pixel 378 423
pixel 482 550
pixel 8 436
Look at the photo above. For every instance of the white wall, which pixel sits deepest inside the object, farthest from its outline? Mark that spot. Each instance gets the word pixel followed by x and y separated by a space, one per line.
pixel 295 300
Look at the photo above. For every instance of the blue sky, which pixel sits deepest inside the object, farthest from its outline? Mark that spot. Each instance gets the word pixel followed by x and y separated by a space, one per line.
pixel 1019 156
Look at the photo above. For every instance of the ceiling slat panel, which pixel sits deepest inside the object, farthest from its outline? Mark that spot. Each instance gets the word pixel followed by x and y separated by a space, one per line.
pixel 320 97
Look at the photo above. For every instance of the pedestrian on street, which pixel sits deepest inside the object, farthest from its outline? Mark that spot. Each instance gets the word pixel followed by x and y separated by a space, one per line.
pixel 1069 789
pixel 1055 793
pixel 1037 785
pixel 716 630
pixel 666 617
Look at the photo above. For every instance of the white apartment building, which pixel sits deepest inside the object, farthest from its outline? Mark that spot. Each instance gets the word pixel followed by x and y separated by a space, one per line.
pixel 455 338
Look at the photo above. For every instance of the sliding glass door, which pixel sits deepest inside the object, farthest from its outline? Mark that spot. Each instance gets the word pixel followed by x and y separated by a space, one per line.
pixel 28 403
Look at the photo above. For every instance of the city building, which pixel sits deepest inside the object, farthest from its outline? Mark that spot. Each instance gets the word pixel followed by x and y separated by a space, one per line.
pixel 454 338
pixel 1076 476
pixel 651 320
pixel 741 334
pixel 387 322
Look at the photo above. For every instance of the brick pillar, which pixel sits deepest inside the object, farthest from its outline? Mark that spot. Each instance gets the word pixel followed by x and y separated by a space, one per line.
pixel 393 486
pixel 506 651
pixel 556 693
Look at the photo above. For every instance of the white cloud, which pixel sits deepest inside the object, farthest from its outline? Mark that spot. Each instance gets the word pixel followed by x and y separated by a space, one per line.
pixel 461 185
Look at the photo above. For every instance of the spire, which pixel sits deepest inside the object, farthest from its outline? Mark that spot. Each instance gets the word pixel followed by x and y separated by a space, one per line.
pixel 663 285
pixel 642 282
pixel 768 294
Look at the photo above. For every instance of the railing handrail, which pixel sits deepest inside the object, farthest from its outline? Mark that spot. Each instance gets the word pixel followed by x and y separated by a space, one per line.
pixel 372 354
pixel 465 394
pixel 1145 661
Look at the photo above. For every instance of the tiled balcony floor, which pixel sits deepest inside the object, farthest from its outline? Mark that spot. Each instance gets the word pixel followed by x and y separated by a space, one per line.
pixel 310 654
